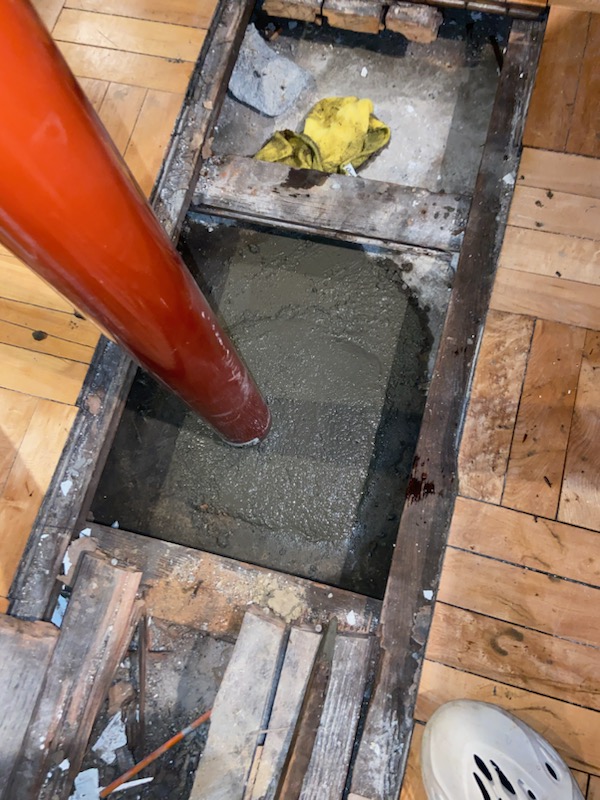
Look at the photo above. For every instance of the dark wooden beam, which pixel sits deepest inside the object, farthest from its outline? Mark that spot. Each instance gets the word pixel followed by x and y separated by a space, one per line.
pixel 432 488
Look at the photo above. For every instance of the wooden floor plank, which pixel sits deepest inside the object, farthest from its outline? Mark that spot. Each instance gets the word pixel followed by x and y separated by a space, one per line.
pixel 54 323
pixel 95 90
pixel 194 13
pixel 551 254
pixel 120 110
pixel 20 283
pixel 521 596
pixel 585 124
pixel 580 496
pixel 560 172
pixel 493 405
pixel 49 11
pixel 412 786
pixel 150 136
pixel 40 375
pixel 556 212
pixel 28 480
pixel 572 730
pixel 129 34
pixel 553 100
pixel 547 297
pixel 15 415
pixel 594 788
pixel 526 539
pixel 539 447
pixel 130 68
pixel 38 341
pixel 515 655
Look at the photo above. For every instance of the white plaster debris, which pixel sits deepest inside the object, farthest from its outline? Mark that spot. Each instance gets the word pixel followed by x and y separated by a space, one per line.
pixel 59 611
pixel 132 784
pixel 509 179
pixel 66 487
pixel 427 594
pixel 44 535
pixel 330 595
pixel 112 738
pixel 85 532
pixel 115 524
pixel 87 786
pixel 351 618
pixel 364 72
pixel 67 563
pixel 114 562
pixel 64 765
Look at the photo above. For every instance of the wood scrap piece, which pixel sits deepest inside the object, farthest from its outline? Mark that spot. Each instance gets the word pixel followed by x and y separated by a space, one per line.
pixel 364 16
pixel 302 10
pixel 239 711
pixel 26 648
pixel 96 630
pixel 299 657
pixel 328 768
pixel 419 23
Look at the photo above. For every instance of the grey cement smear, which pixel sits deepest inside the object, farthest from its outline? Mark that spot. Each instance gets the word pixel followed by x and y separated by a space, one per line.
pixel 436 102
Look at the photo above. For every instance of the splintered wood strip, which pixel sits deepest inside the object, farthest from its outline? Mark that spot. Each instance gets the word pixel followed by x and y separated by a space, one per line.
pixel 299 657
pixel 212 592
pixel 239 711
pixel 38 341
pixel 334 205
pixel 551 107
pixel 303 10
pixel 525 539
pixel 26 648
pixel 40 375
pixel 493 405
pixel 327 772
pixel 95 90
pixel 364 16
pixel 64 326
pixel 539 447
pixel 120 110
pixel 557 212
pixel 512 654
pixel 194 13
pixel 150 137
pixel 580 496
pixel 585 125
pixel 95 633
pixel 560 172
pixel 130 68
pixel 551 254
pixel 543 296
pixel 132 35
pixel 28 479
pixel 535 600
pixel 572 730
pixel 20 283
pixel 16 411
pixel 48 11
pixel 412 785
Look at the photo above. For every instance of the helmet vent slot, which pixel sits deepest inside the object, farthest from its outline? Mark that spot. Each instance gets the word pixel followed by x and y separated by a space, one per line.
pixel 551 771
pixel 484 792
pixel 483 768
pixel 503 779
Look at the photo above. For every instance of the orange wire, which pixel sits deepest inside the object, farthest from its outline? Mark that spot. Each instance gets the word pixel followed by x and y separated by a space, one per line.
pixel 154 755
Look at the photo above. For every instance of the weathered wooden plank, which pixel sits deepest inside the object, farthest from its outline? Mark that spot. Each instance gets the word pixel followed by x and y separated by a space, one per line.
pixel 299 657
pixel 560 172
pixel 580 495
pixel 69 327
pixel 585 123
pixel 327 772
pixel 416 22
pixel 38 341
pixel 552 104
pixel 212 592
pixel 26 648
pixel 536 600
pixel 512 654
pixel 239 711
pixel 95 633
pixel 195 13
pixel 40 375
pixel 572 730
pixel 547 297
pixel 111 373
pixel 364 16
pixel 493 405
pixel 425 520
pixel 551 254
pixel 303 10
pixel 532 541
pixel 539 448
pixel 412 785
pixel 557 212
pixel 15 415
pixel 335 205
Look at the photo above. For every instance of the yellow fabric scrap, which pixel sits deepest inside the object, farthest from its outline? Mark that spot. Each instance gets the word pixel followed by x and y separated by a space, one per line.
pixel 339 131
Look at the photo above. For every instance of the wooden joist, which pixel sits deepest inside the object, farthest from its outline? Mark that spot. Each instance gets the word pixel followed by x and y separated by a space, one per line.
pixel 302 10
pixel 95 633
pixel 419 23
pixel 364 16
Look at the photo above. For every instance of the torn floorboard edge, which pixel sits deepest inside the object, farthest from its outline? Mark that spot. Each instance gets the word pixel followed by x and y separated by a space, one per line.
pixel 95 633
pixel 329 205
pixel 424 524
pixel 363 16
pixel 240 711
pixel 302 10
pixel 211 593
pixel 111 372
pixel 26 648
